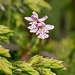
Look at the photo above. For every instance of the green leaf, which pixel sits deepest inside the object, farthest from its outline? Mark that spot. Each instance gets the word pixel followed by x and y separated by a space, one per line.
pixel 34 7
pixel 32 60
pixel 4 38
pixel 17 3
pixel 47 71
pixel 5 30
pixel 52 63
pixel 28 1
pixel 18 19
pixel 25 68
pixel 5 66
pixel 44 4
pixel 4 52
pixel 34 4
pixel 5 33
pixel 45 65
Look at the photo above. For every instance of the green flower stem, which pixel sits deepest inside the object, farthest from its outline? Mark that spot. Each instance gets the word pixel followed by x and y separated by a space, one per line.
pixel 40 45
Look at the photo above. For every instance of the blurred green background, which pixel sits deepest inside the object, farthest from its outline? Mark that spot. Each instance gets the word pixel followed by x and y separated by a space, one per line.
pixel 23 45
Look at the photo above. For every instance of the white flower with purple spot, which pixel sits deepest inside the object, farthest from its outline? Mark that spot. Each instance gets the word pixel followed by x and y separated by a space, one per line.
pixel 43 29
pixel 38 26
pixel 34 20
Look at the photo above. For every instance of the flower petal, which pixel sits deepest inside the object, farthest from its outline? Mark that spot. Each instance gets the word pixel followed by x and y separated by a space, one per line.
pixel 30 27
pixel 34 30
pixel 34 13
pixel 31 23
pixel 43 19
pixel 46 35
pixel 37 32
pixel 43 36
pixel 28 18
pixel 41 24
pixel 34 16
pixel 49 27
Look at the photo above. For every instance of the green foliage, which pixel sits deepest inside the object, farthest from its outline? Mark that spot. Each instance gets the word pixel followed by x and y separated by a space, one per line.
pixel 45 65
pixel 46 71
pixel 5 66
pixel 35 66
pixel 5 33
pixel 65 51
pixel 4 52
pixel 12 13
pixel 24 68
pixel 18 19
pixel 38 65
pixel 34 4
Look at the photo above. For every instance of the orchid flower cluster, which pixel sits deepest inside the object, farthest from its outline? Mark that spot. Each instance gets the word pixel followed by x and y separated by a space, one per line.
pixel 38 26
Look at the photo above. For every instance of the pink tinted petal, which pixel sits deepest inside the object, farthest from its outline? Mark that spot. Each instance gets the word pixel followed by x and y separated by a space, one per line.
pixel 43 19
pixel 43 36
pixel 35 14
pixel 37 32
pixel 33 26
pixel 46 35
pixel 31 23
pixel 33 30
pixel 28 18
pixel 41 24
pixel 49 27
pixel 46 31
pixel 40 36
pixel 30 27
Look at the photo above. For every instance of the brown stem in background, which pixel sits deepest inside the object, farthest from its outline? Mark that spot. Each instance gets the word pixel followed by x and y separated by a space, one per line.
pixel 40 45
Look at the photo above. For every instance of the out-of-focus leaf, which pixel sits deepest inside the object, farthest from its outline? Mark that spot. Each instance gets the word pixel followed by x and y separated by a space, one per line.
pixel 34 7
pixel 34 4
pixel 5 30
pixel 4 52
pixel 5 33
pixel 28 1
pixel 4 39
pixel 18 19
pixel 5 66
pixel 17 3
pixel 6 2
pixel 44 4
pixel 2 7
pixel 25 68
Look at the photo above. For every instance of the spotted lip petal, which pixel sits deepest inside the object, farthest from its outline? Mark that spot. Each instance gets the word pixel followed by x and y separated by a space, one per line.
pixel 32 26
pixel 34 30
pixel 43 36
